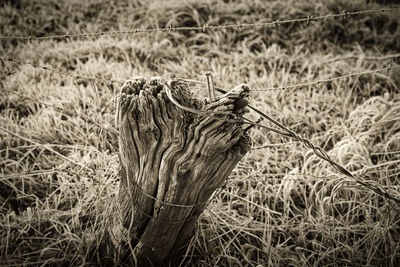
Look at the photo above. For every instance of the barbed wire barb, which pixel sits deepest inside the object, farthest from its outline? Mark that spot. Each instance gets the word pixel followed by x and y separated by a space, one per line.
pixel 323 136
pixel 282 87
pixel 63 73
pixel 351 75
pixel 318 151
pixel 239 26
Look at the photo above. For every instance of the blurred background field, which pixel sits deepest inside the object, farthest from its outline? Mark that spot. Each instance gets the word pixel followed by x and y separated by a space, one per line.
pixel 282 205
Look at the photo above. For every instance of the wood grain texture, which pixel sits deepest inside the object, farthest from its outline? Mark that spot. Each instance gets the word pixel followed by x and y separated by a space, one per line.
pixel 172 155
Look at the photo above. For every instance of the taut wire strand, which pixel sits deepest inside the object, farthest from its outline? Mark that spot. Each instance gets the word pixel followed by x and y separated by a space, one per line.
pixel 318 151
pixel 204 27
pixel 211 114
pixel 167 203
pixel 63 73
pixel 291 86
pixel 283 87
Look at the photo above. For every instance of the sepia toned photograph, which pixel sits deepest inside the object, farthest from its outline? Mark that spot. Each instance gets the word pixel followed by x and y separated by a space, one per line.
pixel 199 133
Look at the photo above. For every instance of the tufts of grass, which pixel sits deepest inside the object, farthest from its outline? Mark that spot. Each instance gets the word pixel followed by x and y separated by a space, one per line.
pixel 281 205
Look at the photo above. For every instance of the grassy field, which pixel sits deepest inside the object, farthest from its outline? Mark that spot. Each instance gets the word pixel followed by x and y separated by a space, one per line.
pixel 282 205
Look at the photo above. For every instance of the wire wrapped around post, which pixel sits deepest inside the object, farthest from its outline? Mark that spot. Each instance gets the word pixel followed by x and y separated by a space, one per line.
pixel 172 161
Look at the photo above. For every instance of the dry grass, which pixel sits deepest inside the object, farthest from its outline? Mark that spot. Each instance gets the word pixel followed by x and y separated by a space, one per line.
pixel 281 205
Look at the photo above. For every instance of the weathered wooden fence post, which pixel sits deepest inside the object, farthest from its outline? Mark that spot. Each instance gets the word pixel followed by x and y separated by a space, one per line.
pixel 172 161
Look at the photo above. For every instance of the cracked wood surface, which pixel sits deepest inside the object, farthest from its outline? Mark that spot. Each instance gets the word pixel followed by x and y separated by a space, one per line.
pixel 174 156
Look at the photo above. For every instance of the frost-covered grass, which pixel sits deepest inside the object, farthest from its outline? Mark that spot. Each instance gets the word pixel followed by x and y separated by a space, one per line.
pixel 282 205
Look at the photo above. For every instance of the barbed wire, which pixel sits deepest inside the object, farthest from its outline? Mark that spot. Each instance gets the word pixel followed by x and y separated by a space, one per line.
pixel 163 203
pixel 165 221
pixel 325 135
pixel 159 200
pixel 364 57
pixel 285 87
pixel 204 27
pixel 385 153
pixel 92 171
pixel 318 151
pixel 45 68
pixel 112 129
pixel 206 204
pixel 280 175
pixel 189 80
pixel 221 90
pixel 155 218
pixel 63 73
pixel 292 86
pixel 61 146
